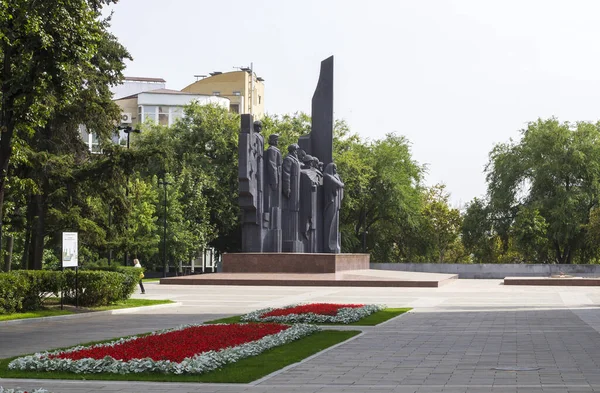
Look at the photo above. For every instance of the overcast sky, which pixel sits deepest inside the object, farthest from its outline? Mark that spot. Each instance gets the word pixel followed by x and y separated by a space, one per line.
pixel 454 77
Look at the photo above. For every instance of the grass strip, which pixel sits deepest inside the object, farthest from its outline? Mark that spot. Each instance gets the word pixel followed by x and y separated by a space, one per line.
pixel 243 371
pixel 131 303
pixel 150 279
pixel 370 320
pixel 34 314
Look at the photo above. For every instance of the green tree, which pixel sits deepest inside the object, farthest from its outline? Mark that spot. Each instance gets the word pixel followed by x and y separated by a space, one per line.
pixel 382 198
pixel 444 222
pixel 478 236
pixel 555 169
pixel 46 49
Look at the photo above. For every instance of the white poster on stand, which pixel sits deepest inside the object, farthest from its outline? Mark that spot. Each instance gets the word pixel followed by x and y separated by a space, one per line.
pixel 69 249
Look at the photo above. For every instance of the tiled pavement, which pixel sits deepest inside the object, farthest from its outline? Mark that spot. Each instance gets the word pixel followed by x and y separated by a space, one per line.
pixel 469 336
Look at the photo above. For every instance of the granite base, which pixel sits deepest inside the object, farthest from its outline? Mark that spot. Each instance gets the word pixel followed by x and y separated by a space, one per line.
pixel 293 262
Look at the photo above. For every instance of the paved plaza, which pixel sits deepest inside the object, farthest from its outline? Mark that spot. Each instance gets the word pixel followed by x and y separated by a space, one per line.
pixel 467 336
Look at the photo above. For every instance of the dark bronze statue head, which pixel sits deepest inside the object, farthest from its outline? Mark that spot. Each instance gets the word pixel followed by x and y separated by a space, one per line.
pixel 293 149
pixel 257 126
pixel 273 139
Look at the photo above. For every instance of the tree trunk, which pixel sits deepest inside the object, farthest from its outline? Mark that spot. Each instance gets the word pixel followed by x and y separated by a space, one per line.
pixel 7 127
pixel 8 255
pixel 36 246
pixel 27 242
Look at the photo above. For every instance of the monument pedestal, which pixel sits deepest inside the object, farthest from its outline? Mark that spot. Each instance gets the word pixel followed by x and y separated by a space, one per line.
pixel 293 262
pixel 299 269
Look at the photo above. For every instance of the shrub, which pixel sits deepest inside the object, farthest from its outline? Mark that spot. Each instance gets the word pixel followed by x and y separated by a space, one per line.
pixel 99 288
pixel 12 292
pixel 132 276
pixel 41 284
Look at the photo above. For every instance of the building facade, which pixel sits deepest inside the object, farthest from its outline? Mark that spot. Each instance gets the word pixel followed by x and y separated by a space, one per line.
pixel 163 106
pixel 245 90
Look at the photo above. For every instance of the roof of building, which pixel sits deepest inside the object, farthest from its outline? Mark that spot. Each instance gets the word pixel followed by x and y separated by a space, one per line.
pixel 144 79
pixel 164 91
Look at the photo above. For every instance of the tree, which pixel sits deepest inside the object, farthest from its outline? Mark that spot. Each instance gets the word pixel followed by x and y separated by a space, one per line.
pixel 46 52
pixel 554 170
pixel 382 198
pixel 198 155
pixel 444 222
pixel 478 235
pixel 529 233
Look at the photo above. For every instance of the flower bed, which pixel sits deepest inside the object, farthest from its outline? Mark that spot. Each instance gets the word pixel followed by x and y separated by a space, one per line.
pixel 313 313
pixel 189 349
pixel 18 390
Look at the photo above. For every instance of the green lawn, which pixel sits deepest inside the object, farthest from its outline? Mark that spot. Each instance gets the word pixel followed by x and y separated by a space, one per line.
pixel 371 320
pixel 244 371
pixel 150 279
pixel 129 303
pixel 34 314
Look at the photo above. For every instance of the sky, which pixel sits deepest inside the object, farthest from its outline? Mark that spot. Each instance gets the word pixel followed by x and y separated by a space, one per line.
pixel 454 77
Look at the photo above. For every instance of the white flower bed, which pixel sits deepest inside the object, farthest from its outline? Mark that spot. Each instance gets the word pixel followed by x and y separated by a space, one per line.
pixel 40 390
pixel 198 364
pixel 344 315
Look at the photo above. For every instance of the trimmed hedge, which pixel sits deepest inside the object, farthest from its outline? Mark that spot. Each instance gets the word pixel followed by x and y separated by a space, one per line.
pixel 41 284
pixel 22 290
pixel 12 292
pixel 132 277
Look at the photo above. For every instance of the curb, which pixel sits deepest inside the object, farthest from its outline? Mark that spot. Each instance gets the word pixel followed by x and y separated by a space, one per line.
pixel 89 314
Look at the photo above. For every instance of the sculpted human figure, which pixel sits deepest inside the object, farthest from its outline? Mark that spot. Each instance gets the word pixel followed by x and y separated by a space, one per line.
pixel 290 181
pixel 258 150
pixel 251 174
pixel 317 166
pixel 333 190
pixel 273 195
pixel 309 184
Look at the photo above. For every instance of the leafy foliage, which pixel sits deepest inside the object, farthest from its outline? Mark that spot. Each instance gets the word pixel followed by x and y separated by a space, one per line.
pixel 542 196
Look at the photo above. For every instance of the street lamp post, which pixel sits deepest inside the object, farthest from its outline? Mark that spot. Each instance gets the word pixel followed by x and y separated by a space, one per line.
pixel 164 183
pixel 128 130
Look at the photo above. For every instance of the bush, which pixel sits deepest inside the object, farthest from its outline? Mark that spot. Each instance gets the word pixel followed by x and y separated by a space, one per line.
pixel 99 288
pixel 41 284
pixel 132 276
pixel 12 292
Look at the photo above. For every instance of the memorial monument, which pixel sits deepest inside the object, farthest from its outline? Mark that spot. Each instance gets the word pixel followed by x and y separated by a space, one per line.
pixel 291 204
pixel 295 207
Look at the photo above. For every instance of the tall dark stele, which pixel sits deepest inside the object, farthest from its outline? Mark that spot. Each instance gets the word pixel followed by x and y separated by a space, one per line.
pixel 289 204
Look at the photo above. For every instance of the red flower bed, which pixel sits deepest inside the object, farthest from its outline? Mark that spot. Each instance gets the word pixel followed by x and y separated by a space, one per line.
pixel 180 344
pixel 315 308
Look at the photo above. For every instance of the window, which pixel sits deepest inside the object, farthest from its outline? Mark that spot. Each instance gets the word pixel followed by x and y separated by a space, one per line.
pixel 176 113
pixel 237 93
pixel 148 113
pixel 216 93
pixel 163 115
pixel 94 143
pixel 90 139
pixel 259 97
pixel 234 108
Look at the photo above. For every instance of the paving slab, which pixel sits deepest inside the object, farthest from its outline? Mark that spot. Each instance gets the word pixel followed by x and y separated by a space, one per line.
pixel 469 336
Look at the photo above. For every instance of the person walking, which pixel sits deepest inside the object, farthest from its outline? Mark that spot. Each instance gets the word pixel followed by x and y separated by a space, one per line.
pixel 136 263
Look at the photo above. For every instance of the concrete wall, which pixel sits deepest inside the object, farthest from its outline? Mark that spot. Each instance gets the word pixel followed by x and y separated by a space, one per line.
pixel 492 270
